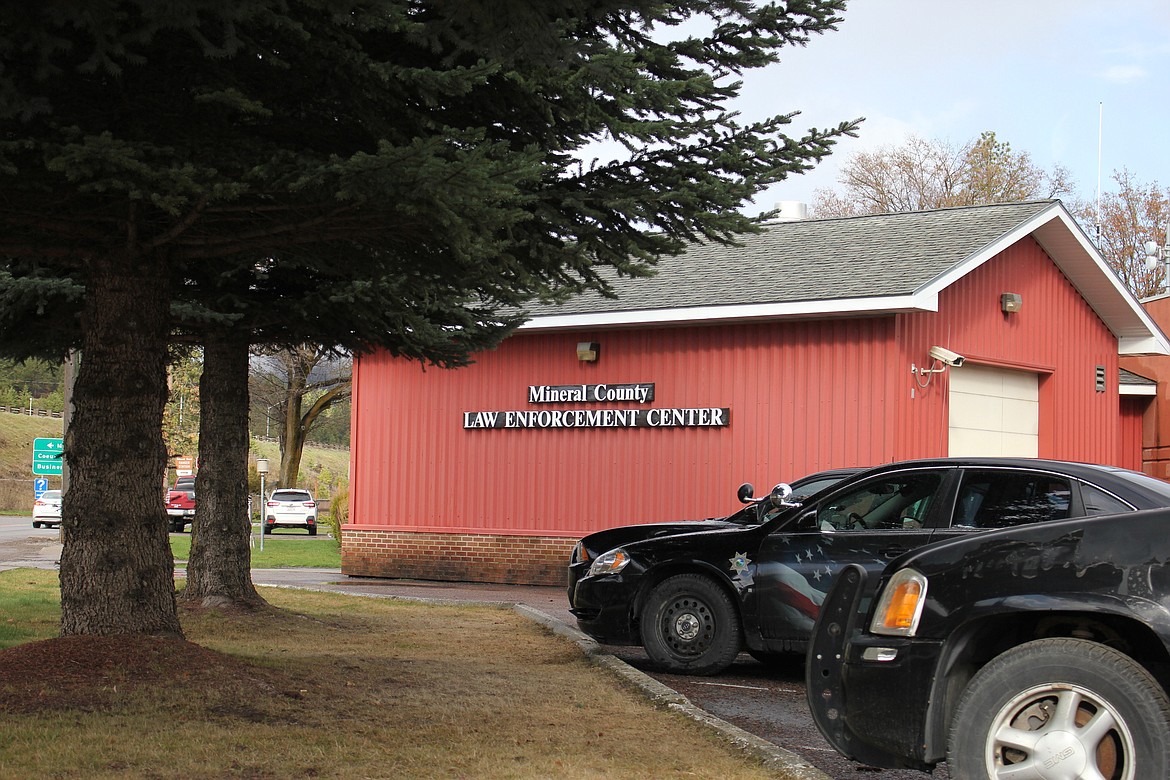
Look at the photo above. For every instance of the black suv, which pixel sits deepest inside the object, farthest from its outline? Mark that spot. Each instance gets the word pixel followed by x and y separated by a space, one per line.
pixel 1036 651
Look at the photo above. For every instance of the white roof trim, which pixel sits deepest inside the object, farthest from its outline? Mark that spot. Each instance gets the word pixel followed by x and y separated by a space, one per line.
pixel 1125 389
pixel 1142 345
pixel 828 307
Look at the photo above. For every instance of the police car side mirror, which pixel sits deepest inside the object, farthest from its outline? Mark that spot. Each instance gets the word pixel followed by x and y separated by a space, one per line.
pixel 745 493
pixel 780 494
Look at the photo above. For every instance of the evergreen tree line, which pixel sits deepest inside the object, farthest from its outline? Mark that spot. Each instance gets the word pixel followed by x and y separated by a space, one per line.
pixel 38 383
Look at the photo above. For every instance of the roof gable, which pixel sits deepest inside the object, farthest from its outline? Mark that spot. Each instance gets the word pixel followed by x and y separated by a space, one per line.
pixel 882 263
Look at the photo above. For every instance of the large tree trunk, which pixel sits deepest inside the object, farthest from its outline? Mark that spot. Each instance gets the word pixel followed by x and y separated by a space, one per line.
pixel 219 567
pixel 117 572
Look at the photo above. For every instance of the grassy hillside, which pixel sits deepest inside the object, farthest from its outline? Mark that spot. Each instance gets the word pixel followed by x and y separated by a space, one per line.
pixel 322 469
pixel 17 432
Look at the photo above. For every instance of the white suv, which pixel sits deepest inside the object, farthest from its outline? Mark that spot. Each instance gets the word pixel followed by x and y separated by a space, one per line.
pixel 290 508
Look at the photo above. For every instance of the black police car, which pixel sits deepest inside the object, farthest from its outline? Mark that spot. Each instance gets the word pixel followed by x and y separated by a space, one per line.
pixel 757 511
pixel 695 600
pixel 1037 651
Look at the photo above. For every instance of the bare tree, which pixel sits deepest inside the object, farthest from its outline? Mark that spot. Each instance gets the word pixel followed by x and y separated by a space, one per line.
pixel 298 385
pixel 1134 214
pixel 923 174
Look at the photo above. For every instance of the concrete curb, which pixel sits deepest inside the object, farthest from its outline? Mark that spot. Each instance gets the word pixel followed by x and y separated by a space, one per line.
pixel 786 764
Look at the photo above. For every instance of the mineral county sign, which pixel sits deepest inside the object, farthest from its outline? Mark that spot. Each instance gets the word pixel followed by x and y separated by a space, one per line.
pixel 48 456
pixel 688 417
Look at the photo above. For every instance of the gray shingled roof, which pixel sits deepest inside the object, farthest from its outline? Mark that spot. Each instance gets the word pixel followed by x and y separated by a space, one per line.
pixel 814 260
pixel 1130 378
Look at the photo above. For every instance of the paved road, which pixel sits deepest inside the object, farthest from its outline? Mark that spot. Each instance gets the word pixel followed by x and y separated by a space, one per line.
pixel 764 701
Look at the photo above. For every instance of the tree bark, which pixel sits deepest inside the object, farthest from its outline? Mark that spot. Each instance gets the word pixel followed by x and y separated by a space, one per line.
pixel 117 571
pixel 219 568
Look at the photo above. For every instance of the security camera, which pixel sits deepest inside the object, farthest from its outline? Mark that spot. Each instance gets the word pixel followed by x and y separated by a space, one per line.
pixel 953 359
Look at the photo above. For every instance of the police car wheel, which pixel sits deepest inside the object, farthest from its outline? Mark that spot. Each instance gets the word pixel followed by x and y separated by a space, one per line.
pixel 689 625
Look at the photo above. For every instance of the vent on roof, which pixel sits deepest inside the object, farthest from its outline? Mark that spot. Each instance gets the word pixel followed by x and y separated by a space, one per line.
pixel 791 211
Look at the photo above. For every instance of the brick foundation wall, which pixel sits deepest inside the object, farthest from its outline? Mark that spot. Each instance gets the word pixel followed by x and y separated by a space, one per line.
pixel 514 560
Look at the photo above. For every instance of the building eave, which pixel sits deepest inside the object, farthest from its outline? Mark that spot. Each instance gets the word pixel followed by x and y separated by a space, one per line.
pixel 836 307
pixel 1146 390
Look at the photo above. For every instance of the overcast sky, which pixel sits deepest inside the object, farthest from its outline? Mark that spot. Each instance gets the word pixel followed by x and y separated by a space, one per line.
pixel 1039 73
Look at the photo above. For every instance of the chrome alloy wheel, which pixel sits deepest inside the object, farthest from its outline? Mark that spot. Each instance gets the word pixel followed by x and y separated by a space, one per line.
pixel 1059 732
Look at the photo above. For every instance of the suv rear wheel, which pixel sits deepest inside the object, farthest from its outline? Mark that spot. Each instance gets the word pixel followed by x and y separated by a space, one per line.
pixel 1061 708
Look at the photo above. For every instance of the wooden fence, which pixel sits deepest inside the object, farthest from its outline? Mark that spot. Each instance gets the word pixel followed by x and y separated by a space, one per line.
pixel 30 412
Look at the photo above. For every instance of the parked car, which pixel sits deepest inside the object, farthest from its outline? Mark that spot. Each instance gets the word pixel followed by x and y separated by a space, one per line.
pixel 695 600
pixel 47 510
pixel 757 511
pixel 181 504
pixel 290 508
pixel 1037 651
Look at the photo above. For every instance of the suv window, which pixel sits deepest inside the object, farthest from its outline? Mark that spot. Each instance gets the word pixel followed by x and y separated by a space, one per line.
pixel 889 503
pixel 292 495
pixel 1000 498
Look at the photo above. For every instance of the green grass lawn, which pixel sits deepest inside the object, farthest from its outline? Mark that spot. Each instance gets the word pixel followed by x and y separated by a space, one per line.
pixel 31 606
pixel 278 552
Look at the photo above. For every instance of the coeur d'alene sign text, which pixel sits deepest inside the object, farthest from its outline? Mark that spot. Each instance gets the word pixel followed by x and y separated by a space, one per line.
pixel 680 417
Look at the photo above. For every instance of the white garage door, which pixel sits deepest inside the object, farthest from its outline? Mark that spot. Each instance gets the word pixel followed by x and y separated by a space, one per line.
pixel 994 412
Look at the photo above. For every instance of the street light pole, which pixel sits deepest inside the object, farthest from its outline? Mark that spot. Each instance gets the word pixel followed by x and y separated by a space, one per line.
pixel 262 470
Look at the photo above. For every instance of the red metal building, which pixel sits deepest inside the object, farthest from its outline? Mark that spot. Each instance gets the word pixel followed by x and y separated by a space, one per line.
pixel 1149 403
pixel 813 345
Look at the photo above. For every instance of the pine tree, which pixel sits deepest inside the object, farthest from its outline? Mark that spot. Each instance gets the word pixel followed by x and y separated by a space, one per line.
pixel 163 161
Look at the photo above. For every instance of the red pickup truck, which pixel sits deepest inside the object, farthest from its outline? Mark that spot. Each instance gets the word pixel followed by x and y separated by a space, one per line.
pixel 181 503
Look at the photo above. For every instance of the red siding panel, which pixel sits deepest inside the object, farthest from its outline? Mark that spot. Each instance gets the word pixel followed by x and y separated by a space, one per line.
pixel 1133 409
pixel 803 396
pixel 1156 425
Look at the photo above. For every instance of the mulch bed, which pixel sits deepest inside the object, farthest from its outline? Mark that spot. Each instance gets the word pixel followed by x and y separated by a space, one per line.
pixel 86 672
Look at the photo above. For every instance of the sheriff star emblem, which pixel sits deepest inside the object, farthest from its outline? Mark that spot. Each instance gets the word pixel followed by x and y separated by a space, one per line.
pixel 740 563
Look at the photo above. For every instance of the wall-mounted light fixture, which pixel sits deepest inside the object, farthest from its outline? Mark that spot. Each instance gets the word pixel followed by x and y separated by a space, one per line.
pixel 942 358
pixel 588 351
pixel 1011 302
